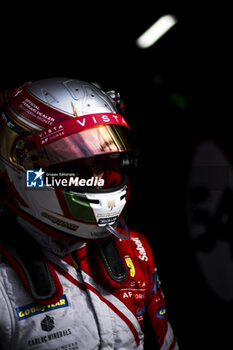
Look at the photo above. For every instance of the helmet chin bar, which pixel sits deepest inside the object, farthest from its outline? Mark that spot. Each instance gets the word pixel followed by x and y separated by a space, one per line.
pixel 118 234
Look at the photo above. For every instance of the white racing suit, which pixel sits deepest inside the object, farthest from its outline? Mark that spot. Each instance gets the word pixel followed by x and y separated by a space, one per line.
pixel 90 308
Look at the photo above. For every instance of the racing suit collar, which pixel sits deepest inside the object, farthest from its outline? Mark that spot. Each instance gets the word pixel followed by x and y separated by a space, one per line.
pixel 57 246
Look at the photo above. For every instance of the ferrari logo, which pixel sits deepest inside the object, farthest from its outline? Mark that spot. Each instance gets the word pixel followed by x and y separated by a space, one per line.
pixel 111 203
pixel 131 267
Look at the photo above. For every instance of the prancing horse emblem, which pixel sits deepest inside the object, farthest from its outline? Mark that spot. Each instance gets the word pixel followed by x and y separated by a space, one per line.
pixel 111 203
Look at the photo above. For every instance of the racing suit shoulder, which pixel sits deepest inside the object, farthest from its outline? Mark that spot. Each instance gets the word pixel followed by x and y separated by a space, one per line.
pixel 155 299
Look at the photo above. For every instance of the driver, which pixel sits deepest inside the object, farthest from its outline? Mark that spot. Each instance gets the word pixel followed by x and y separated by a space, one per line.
pixel 72 275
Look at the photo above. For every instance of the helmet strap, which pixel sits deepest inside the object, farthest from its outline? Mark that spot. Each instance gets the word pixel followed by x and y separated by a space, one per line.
pixel 119 234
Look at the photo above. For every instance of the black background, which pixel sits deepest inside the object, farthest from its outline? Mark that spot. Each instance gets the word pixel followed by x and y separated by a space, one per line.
pixel 192 62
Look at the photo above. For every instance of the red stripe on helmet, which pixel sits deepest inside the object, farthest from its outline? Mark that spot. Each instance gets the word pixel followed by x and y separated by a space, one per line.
pixel 69 127
pixel 32 109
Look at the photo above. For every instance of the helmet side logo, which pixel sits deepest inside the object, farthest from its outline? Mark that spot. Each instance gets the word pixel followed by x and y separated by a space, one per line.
pixel 111 203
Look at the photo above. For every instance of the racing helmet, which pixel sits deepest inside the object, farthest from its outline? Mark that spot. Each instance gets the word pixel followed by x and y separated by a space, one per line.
pixel 63 148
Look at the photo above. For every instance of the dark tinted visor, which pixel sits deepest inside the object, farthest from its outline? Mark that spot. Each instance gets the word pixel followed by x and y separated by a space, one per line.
pixel 92 142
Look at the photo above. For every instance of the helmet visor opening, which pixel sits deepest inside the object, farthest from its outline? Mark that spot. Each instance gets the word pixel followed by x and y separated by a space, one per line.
pixel 106 139
pixel 105 170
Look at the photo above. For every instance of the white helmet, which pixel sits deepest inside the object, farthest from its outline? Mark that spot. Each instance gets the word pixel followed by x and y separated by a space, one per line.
pixel 67 137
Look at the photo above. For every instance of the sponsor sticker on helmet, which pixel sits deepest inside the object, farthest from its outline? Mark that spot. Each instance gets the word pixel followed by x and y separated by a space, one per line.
pixel 72 126
pixel 110 220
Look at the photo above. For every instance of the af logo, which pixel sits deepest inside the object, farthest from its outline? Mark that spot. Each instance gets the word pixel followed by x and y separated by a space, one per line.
pixel 47 324
pixel 130 265
pixel 111 203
